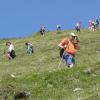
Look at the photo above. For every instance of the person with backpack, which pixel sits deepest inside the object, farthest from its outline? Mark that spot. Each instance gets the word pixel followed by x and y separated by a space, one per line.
pixel 29 48
pixel 11 51
pixel 68 49
pixel 58 27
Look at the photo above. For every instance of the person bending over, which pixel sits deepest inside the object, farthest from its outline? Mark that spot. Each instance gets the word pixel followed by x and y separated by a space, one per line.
pixel 68 49
pixel 11 50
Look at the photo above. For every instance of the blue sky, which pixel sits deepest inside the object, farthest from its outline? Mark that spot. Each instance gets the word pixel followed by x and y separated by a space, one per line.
pixel 19 18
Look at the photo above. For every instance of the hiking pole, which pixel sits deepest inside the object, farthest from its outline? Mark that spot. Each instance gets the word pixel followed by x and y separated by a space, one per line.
pixel 61 60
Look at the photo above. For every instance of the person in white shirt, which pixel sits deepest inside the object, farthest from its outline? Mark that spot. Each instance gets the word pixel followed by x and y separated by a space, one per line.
pixel 11 51
pixel 58 27
pixel 78 27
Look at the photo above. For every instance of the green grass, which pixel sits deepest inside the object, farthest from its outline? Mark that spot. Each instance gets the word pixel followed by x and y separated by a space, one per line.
pixel 39 73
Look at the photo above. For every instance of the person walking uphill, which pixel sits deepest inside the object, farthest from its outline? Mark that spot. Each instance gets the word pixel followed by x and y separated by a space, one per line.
pixel 11 51
pixel 78 27
pixel 42 30
pixel 29 48
pixel 69 48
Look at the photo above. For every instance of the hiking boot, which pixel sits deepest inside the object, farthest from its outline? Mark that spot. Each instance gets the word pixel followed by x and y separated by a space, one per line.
pixel 70 66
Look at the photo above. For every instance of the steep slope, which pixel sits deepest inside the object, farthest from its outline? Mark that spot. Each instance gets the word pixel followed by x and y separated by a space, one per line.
pixel 39 73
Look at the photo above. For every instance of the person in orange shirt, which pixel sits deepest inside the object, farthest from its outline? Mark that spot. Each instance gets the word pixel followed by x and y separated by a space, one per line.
pixel 69 48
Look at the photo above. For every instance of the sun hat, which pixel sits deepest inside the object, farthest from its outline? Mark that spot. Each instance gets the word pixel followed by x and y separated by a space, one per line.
pixel 73 34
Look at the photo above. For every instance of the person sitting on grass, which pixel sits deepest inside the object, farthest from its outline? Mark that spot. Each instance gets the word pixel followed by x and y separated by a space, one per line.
pixel 29 48
pixel 11 51
pixel 69 48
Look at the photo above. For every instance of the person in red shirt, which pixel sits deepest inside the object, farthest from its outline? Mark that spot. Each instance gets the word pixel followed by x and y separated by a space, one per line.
pixel 69 48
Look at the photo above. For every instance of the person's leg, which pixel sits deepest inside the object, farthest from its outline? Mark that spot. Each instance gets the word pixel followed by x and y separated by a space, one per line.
pixel 27 50
pixel 70 61
pixel 43 33
pixel 30 50
pixel 90 28
pixel 61 52
pixel 8 56
pixel 66 56
pixel 79 30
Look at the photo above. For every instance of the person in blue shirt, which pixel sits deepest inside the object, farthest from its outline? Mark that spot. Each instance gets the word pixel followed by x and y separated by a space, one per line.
pixel 97 23
pixel 29 48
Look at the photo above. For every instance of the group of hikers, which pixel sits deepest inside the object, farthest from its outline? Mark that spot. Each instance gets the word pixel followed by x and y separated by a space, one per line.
pixel 68 47
pixel 11 54
pixel 93 24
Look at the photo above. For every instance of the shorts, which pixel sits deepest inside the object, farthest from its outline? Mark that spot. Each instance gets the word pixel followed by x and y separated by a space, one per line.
pixel 69 58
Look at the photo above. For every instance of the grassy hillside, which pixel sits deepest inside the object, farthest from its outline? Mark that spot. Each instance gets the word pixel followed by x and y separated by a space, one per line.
pixel 39 73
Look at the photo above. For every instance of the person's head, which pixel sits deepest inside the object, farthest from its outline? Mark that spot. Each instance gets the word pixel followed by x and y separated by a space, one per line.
pixel 73 35
pixel 26 43
pixel 96 18
pixel 8 43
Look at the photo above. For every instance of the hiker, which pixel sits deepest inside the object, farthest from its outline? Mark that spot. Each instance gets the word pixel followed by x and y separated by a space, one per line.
pixel 92 25
pixel 58 27
pixel 42 30
pixel 69 48
pixel 29 48
pixel 77 27
pixel 11 51
pixel 97 23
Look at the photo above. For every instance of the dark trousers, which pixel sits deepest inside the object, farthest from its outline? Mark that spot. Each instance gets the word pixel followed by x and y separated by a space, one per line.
pixel 61 52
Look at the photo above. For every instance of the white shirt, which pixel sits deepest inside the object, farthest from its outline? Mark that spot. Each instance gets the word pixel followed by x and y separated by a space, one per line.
pixel 10 48
pixel 29 45
pixel 58 26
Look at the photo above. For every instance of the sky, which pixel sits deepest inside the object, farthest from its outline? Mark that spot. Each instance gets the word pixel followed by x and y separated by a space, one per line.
pixel 21 18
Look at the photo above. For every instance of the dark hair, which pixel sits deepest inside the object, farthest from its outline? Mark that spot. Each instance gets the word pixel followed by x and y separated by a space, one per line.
pixel 26 43
pixel 8 43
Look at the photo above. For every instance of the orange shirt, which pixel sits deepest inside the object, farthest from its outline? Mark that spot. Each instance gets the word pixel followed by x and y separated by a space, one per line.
pixel 71 46
pixel 64 42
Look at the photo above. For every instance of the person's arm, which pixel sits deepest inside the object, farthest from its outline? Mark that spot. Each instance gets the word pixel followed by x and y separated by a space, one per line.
pixel 60 45
pixel 63 44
